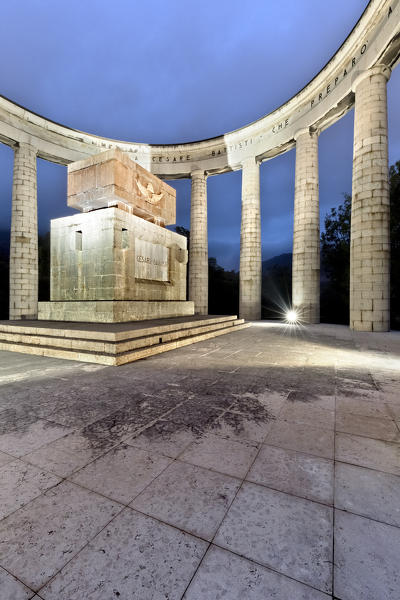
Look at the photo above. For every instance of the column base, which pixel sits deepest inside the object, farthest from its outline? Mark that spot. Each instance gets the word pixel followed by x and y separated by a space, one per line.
pixel 308 314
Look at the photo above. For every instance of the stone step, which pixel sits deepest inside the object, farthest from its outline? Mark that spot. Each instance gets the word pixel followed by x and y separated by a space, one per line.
pixel 118 352
pixel 113 332
pixel 77 342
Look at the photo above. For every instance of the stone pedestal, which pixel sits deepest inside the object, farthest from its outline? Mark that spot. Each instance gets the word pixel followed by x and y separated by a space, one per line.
pixel 306 244
pixel 109 264
pixel 370 213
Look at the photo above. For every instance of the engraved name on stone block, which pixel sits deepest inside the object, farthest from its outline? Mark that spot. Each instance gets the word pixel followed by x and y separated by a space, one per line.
pixel 151 261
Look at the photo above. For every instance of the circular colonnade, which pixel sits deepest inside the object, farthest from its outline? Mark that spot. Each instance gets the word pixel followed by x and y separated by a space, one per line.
pixel 356 77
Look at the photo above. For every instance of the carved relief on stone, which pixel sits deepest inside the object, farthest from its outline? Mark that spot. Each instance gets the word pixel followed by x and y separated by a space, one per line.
pixel 148 193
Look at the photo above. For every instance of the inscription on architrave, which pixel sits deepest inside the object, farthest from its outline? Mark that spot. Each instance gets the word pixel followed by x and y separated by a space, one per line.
pixel 151 261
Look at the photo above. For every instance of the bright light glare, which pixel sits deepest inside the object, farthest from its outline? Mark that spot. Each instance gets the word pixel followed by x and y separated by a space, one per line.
pixel 291 316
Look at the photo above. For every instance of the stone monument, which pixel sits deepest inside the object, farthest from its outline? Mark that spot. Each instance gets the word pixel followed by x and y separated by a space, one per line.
pixel 115 261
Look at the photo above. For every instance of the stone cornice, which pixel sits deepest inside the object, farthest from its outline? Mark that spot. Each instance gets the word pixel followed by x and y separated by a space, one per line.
pixel 375 40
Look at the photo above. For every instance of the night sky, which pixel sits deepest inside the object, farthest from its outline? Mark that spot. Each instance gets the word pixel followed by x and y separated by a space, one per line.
pixel 175 71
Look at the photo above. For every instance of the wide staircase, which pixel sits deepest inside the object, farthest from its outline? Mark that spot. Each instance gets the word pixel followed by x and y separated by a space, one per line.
pixel 112 343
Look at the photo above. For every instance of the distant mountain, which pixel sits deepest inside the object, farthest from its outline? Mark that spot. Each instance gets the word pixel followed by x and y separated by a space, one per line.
pixel 283 260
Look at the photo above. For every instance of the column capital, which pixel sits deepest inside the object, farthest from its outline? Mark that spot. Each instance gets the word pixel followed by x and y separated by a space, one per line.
pixel 250 161
pixel 198 173
pixel 376 70
pixel 311 132
pixel 28 145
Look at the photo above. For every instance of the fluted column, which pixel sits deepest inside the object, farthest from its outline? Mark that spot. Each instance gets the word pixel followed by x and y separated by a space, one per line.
pixel 250 243
pixel 198 250
pixel 24 236
pixel 370 212
pixel 306 245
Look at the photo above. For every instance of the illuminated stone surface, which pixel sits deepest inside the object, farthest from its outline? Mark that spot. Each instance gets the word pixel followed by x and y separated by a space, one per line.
pixel 153 454
pixel 198 258
pixel 24 262
pixel 120 257
pixel 114 253
pixel 370 206
pixel 306 242
pixel 112 178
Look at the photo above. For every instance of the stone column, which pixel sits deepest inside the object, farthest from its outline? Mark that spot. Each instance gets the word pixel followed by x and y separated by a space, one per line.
pixel 370 213
pixel 24 236
pixel 250 243
pixel 198 250
pixel 306 245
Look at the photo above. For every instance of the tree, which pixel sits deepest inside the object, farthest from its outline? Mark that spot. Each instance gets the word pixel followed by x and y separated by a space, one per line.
pixel 335 255
pixel 335 261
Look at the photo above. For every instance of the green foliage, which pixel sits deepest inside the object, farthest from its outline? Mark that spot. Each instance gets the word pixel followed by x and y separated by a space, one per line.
pixel 335 259
pixel 335 255
pixel 183 231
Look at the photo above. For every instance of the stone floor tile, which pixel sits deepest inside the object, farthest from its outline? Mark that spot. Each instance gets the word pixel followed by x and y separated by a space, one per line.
pixel 68 454
pixel 308 415
pixel 366 452
pixel 311 399
pixel 296 436
pixel 223 575
pixel 5 458
pixel 372 427
pixel 40 538
pixel 366 559
pixel 122 473
pixel 12 589
pixel 291 535
pixel 367 492
pixel 294 473
pixel 237 426
pixel 220 454
pixel 189 497
pixel 261 407
pixel 135 557
pixel 32 437
pixel 164 437
pixel 21 483
pixel 393 410
pixel 78 414
pixel 195 415
pixel 359 406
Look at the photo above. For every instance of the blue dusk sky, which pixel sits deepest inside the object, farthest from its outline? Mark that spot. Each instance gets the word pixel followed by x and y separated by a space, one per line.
pixel 164 71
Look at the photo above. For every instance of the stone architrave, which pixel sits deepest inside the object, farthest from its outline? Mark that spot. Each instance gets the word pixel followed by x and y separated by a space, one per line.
pixel 198 250
pixel 370 213
pixel 250 243
pixel 306 244
pixel 24 236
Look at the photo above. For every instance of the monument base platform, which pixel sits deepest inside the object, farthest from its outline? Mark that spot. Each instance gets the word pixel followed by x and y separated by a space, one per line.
pixel 113 311
pixel 112 343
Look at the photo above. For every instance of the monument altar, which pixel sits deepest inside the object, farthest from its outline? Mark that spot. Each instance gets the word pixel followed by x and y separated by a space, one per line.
pixel 115 261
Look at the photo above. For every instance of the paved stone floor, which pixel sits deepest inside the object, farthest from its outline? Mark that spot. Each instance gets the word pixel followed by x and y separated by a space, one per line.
pixel 261 464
